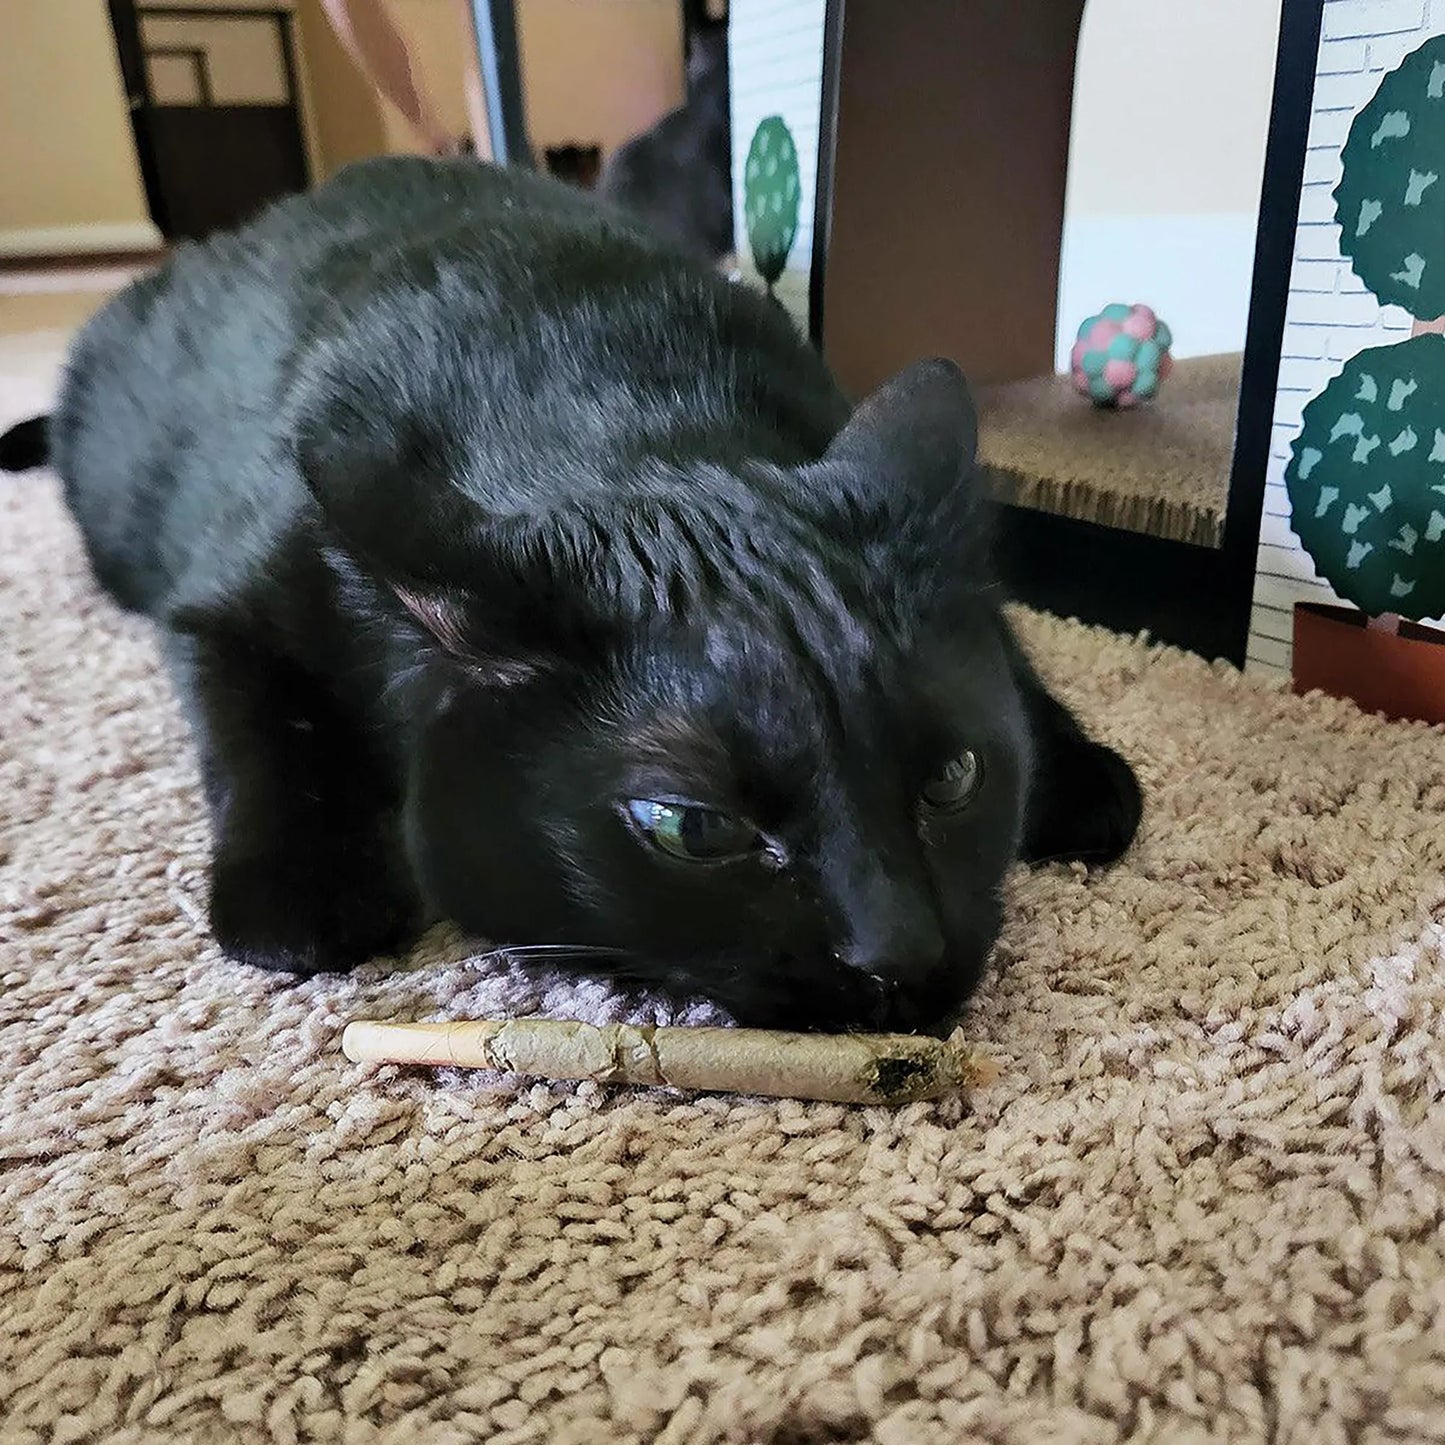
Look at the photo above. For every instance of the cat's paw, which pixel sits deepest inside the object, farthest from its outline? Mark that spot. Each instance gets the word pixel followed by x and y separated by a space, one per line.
pixel 306 916
pixel 1090 812
pixel 1114 808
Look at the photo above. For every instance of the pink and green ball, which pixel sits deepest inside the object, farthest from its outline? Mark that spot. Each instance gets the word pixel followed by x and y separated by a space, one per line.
pixel 1121 356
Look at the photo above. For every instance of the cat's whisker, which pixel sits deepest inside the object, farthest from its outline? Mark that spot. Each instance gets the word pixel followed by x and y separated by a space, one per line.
pixel 540 952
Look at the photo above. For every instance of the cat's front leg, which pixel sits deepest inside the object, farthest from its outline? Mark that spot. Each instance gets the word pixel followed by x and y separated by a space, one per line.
pixel 307 874
pixel 1084 801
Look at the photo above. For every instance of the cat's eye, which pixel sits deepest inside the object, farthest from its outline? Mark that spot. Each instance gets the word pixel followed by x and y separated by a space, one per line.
pixel 952 788
pixel 692 833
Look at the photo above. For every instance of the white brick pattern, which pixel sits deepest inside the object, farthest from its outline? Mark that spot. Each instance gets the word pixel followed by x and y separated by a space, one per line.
pixel 1330 316
pixel 776 61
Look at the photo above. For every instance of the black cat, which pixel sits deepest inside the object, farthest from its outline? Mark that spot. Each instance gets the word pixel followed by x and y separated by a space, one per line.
pixel 516 568
pixel 678 174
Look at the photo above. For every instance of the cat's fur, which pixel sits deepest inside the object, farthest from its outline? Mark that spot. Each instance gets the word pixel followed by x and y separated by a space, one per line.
pixel 470 511
pixel 677 175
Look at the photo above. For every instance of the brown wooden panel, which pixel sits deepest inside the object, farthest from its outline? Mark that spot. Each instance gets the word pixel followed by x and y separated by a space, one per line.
pixel 220 165
pixel 948 185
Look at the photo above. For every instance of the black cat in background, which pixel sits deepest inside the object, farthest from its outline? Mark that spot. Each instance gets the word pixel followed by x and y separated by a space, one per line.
pixel 515 567
pixel 678 175
pixel 578 165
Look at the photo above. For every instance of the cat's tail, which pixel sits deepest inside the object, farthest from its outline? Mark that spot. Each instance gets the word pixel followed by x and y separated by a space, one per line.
pixel 25 445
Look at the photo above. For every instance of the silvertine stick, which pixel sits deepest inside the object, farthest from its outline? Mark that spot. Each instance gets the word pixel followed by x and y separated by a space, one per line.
pixel 841 1068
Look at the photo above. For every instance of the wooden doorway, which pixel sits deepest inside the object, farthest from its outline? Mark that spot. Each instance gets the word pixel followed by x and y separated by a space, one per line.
pixel 215 106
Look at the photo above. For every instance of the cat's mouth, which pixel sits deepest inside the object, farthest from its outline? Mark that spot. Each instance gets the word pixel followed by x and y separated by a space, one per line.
pixel 785 991
pixel 837 998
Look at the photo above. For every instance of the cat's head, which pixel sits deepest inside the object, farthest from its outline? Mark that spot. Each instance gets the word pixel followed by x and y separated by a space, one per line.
pixel 707 56
pixel 755 729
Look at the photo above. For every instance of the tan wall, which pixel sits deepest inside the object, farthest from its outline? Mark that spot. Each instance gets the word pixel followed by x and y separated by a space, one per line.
pixel 350 118
pixel 344 110
pixel 598 70
pixel 439 35
pixel 67 158
pixel 593 70
pixel 1171 107
pixel 247 62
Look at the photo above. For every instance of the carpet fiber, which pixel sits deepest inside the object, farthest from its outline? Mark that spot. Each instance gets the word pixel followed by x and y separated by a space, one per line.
pixel 1203 1202
pixel 1162 468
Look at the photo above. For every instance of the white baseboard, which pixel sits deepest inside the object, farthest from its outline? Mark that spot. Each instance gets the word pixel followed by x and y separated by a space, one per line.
pixel 97 238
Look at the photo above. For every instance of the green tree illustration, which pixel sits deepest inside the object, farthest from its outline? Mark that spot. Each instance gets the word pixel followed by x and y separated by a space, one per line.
pixel 771 193
pixel 1366 479
pixel 1390 202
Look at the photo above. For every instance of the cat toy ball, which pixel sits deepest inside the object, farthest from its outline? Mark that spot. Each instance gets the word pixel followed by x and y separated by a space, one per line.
pixel 841 1068
pixel 1121 356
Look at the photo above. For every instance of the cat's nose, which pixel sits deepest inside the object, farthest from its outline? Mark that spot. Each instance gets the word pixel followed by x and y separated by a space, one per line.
pixel 899 958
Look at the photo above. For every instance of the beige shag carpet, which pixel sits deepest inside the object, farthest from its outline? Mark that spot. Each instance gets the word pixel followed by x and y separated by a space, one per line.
pixel 1203 1203
pixel 1162 468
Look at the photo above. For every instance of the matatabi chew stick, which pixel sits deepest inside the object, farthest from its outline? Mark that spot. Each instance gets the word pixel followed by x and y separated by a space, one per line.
pixel 842 1068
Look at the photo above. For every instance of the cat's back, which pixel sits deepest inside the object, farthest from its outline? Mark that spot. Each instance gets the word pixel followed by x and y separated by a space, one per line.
pixel 579 338
pixel 206 335
pixel 168 424
pixel 234 299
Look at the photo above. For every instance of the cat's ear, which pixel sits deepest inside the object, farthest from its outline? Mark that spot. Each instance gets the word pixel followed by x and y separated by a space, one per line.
pixel 900 484
pixel 912 444
pixel 484 589
pixel 452 624
pixel 517 620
